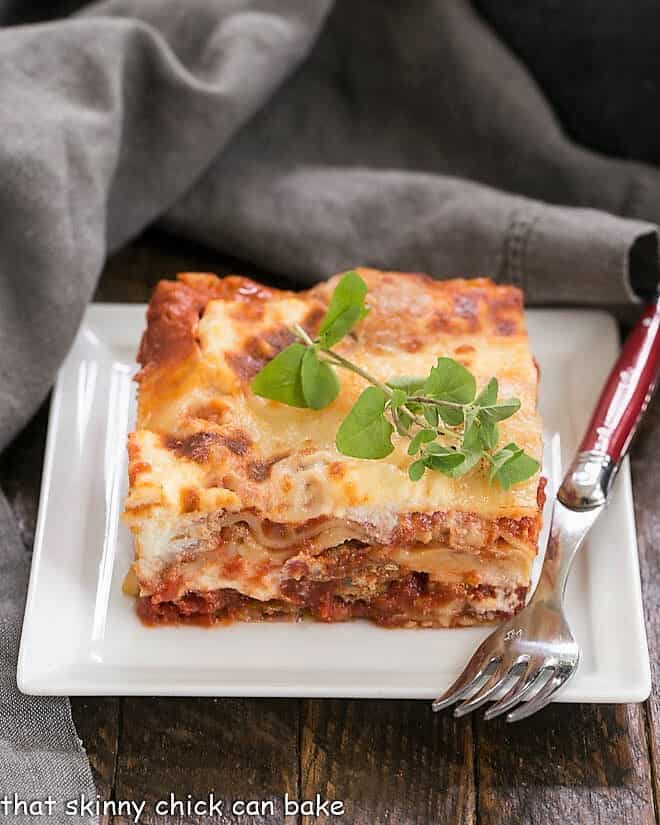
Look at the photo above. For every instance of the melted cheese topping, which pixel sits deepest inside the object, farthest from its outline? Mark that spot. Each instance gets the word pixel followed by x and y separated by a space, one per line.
pixel 205 442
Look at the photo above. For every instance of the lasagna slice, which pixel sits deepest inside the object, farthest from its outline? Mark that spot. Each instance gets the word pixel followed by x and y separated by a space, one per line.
pixel 242 508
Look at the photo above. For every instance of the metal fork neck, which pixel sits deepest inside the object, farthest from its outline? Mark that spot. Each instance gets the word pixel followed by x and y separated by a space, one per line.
pixel 568 529
pixel 588 481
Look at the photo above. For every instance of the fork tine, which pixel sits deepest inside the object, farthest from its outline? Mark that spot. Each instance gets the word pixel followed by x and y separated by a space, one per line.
pixel 515 672
pixel 518 691
pixel 470 680
pixel 543 697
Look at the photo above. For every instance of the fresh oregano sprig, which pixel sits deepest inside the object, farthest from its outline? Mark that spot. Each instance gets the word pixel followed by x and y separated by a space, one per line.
pixel 451 428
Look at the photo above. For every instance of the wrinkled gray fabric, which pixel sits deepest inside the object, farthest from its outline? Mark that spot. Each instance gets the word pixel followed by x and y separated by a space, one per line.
pixel 40 753
pixel 304 135
pixel 106 123
pixel 363 156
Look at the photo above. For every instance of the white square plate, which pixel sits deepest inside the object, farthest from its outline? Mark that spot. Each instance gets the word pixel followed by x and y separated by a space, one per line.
pixel 81 634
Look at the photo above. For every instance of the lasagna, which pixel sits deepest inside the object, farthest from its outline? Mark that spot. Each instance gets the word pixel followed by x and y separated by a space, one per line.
pixel 243 509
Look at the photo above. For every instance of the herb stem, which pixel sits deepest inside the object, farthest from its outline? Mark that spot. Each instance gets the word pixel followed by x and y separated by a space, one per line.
pixel 340 361
pixel 301 332
pixel 423 399
pixel 426 426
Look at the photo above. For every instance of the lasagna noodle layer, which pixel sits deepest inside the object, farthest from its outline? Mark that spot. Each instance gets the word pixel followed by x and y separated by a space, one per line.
pixel 395 587
pixel 195 537
pixel 423 583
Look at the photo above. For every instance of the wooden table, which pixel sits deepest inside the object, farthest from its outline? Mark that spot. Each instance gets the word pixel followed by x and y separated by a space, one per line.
pixel 388 761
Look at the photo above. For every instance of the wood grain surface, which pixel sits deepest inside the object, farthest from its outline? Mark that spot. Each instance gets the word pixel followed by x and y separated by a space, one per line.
pixel 389 762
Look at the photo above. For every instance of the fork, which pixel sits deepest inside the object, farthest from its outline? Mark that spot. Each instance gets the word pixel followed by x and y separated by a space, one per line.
pixel 524 662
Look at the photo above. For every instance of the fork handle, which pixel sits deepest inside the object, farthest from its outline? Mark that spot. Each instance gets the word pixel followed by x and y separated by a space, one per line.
pixel 617 415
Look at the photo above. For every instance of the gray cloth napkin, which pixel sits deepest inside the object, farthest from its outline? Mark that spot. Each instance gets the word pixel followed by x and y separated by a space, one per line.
pixel 40 753
pixel 305 136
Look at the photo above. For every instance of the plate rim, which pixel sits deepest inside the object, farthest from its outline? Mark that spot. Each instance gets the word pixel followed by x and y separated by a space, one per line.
pixel 64 681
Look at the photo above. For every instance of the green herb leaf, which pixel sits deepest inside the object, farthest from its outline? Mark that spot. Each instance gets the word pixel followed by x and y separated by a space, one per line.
pixel 511 465
pixel 431 415
pixel 280 379
pixel 450 381
pixel 345 310
pixel 435 448
pixel 410 384
pixel 420 437
pixel 471 440
pixel 450 415
pixel 399 397
pixel 402 421
pixel 498 459
pixel 416 469
pixel 469 459
pixel 365 432
pixel 445 462
pixel 501 410
pixel 320 385
pixel 488 396
pixel 505 409
pixel 489 433
pixel 441 458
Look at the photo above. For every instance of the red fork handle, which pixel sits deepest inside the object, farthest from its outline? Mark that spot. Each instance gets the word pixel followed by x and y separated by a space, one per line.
pixel 628 389
pixel 616 416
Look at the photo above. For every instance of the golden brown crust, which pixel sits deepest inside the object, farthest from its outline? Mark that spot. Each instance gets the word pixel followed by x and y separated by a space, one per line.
pixel 175 308
pixel 456 307
pixel 401 318
pixel 459 306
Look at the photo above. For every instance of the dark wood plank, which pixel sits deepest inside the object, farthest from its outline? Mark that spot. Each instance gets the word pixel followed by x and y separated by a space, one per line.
pixel 97 720
pixel 646 484
pixel 390 762
pixel 237 749
pixel 581 764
